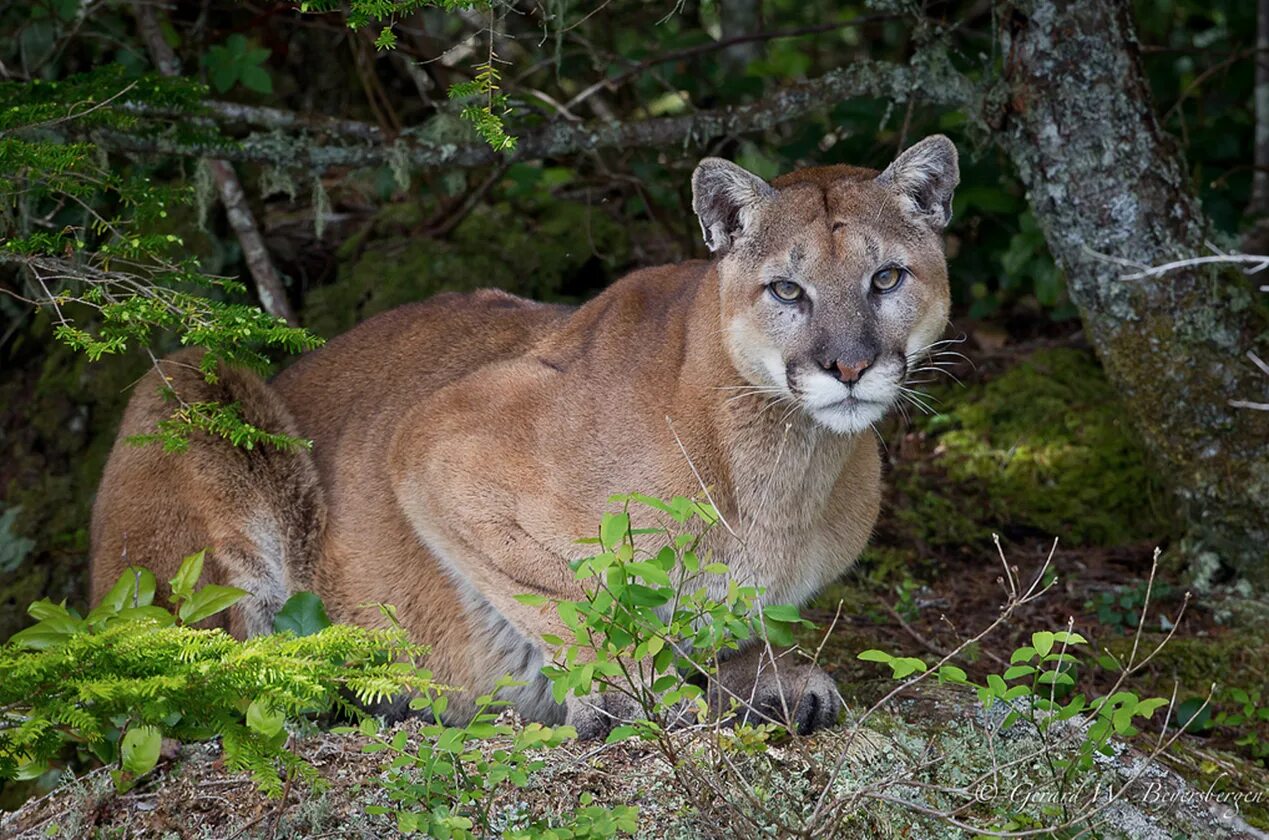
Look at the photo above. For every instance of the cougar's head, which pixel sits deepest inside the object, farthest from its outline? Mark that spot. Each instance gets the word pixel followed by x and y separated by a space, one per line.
pixel 833 279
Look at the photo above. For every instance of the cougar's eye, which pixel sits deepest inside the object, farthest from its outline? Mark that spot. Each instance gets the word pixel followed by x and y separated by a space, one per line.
pixel 786 291
pixel 888 279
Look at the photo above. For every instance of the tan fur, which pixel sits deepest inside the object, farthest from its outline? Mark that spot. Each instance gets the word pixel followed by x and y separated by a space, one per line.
pixel 462 444
pixel 156 507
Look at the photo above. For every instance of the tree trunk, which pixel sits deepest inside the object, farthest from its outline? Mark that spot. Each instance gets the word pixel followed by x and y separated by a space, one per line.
pixel 1260 180
pixel 1107 184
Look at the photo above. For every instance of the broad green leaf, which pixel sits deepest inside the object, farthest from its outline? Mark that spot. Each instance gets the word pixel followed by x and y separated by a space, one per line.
pixel 1022 654
pixel 134 588
pixel 651 573
pixel 189 573
pixel 1042 641
pixel 139 751
pixel 256 78
pixel 906 666
pixel 874 656
pixel 208 601
pixel 261 719
pixel 1148 707
pixel 45 610
pixel 782 612
pixel 40 636
pixel 613 528
pixel 303 614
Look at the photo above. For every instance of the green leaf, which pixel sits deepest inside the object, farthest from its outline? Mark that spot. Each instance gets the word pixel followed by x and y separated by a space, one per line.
pixel 1042 641
pixel 139 751
pixel 208 601
pixel 613 528
pixel 256 78
pixel 906 666
pixel 189 573
pixel 874 656
pixel 41 636
pixel 530 600
pixel 222 74
pixel 782 612
pixel 1022 654
pixel 953 674
pixel 134 588
pixel 650 573
pixel 46 610
pixel 1018 671
pixel 621 733
pixel 261 719
pixel 1148 707
pixel 303 614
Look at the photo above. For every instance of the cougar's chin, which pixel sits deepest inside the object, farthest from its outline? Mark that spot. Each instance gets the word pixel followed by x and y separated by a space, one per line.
pixel 849 415
pixel 843 409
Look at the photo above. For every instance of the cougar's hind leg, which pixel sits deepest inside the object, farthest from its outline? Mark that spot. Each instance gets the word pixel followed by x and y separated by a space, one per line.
pixel 258 512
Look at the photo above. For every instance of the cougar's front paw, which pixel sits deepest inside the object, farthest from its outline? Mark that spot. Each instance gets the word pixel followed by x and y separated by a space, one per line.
pixel 802 697
pixel 595 715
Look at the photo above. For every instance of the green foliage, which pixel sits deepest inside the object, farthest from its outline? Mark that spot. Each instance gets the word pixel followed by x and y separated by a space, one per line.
pixel 655 613
pixel 237 62
pixel 115 682
pixel 96 260
pixel 486 116
pixel 1120 607
pixel 214 419
pixel 1243 711
pixel 444 786
pixel 303 614
pixel 1038 689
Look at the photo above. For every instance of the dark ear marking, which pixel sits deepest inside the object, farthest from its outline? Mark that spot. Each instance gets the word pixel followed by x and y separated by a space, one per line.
pixel 724 198
pixel 924 177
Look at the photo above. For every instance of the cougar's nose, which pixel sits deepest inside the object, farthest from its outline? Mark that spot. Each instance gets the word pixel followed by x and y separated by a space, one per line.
pixel 849 370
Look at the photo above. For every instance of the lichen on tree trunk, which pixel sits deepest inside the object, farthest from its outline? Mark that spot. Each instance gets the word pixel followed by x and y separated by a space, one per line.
pixel 1107 184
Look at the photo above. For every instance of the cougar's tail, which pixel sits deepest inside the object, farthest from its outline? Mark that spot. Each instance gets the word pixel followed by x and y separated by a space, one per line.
pixel 259 512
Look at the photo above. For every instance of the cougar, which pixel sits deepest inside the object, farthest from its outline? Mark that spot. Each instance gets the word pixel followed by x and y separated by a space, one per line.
pixel 461 445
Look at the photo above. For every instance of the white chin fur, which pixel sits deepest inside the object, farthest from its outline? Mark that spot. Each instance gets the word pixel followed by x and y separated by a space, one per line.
pixel 848 417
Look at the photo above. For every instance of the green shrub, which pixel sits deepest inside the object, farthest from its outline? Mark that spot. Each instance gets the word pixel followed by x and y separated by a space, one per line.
pixel 130 673
pixel 653 618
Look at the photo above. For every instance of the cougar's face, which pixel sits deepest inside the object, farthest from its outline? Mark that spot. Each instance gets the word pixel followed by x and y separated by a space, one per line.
pixel 834 283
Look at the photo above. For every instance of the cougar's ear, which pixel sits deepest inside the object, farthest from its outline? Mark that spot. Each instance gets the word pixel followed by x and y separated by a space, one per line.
pixel 724 198
pixel 924 177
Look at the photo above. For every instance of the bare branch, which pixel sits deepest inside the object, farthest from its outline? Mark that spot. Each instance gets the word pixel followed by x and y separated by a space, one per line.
pixel 938 82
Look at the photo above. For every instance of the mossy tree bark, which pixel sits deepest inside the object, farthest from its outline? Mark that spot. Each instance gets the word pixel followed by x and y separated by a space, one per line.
pixel 1109 189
